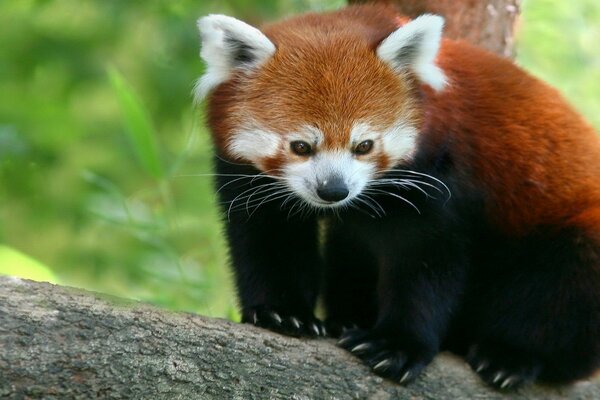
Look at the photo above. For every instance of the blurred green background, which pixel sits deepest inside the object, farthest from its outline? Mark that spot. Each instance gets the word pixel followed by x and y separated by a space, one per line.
pixel 103 157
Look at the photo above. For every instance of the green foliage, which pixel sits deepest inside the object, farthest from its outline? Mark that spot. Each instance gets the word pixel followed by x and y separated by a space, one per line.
pixel 15 263
pixel 138 125
pixel 559 41
pixel 105 163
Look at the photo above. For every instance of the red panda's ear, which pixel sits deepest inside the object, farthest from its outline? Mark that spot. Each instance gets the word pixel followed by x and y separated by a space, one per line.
pixel 227 44
pixel 415 46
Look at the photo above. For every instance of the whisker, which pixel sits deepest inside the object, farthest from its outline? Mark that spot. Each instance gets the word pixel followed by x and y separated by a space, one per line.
pixel 360 209
pixel 302 206
pixel 256 189
pixel 264 174
pixel 398 197
pixel 233 163
pixel 261 175
pixel 368 200
pixel 270 185
pixel 214 174
pixel 336 212
pixel 267 172
pixel 241 194
pixel 393 180
pixel 278 195
pixel 291 196
pixel 364 200
pixel 426 176
pixel 420 189
pixel 292 208
pixel 237 179
pixel 263 189
pixel 237 197
pixel 408 183
pixel 376 203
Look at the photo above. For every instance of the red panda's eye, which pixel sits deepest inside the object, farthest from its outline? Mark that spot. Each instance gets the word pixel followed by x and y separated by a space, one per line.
pixel 363 147
pixel 301 148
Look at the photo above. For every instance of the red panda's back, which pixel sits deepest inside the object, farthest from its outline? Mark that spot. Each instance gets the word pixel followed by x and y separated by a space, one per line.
pixel 536 159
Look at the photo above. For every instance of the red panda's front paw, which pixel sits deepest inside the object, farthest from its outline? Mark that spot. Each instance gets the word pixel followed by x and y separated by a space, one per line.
pixel 283 322
pixel 503 367
pixel 385 357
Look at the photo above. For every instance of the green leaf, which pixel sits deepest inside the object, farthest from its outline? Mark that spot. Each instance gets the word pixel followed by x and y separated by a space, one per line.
pixel 15 263
pixel 138 125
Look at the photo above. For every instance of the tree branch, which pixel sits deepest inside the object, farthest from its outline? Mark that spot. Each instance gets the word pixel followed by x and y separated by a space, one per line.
pixel 64 343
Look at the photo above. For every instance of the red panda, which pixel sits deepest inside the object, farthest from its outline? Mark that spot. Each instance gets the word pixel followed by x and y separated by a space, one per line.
pixel 461 196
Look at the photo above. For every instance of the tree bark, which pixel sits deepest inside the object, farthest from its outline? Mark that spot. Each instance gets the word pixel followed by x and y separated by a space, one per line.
pixel 486 23
pixel 64 343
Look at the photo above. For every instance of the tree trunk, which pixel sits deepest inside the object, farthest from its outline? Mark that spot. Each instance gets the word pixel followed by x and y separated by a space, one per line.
pixel 486 23
pixel 63 343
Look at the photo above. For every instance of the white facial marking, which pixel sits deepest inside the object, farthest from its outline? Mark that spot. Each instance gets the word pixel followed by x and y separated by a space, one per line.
pixel 309 134
pixel 400 142
pixel 361 131
pixel 415 46
pixel 228 43
pixel 254 144
pixel 305 177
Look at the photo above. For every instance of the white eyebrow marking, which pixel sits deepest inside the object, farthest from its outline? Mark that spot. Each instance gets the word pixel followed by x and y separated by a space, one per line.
pixel 362 131
pixel 307 133
pixel 254 144
pixel 399 141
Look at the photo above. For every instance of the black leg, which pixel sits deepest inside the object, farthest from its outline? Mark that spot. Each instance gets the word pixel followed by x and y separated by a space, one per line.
pixel 275 258
pixel 421 277
pixel 537 311
pixel 350 280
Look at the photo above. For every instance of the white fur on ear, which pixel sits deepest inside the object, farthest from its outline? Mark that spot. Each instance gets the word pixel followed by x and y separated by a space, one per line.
pixel 228 43
pixel 415 46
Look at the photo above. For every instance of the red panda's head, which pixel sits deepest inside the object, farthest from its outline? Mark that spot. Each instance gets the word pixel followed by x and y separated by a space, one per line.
pixel 325 103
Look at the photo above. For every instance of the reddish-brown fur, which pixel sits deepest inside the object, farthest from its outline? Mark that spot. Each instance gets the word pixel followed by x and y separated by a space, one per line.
pixel 512 136
pixel 536 159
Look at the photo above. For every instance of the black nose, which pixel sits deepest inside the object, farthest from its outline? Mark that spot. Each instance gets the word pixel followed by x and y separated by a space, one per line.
pixel 333 189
